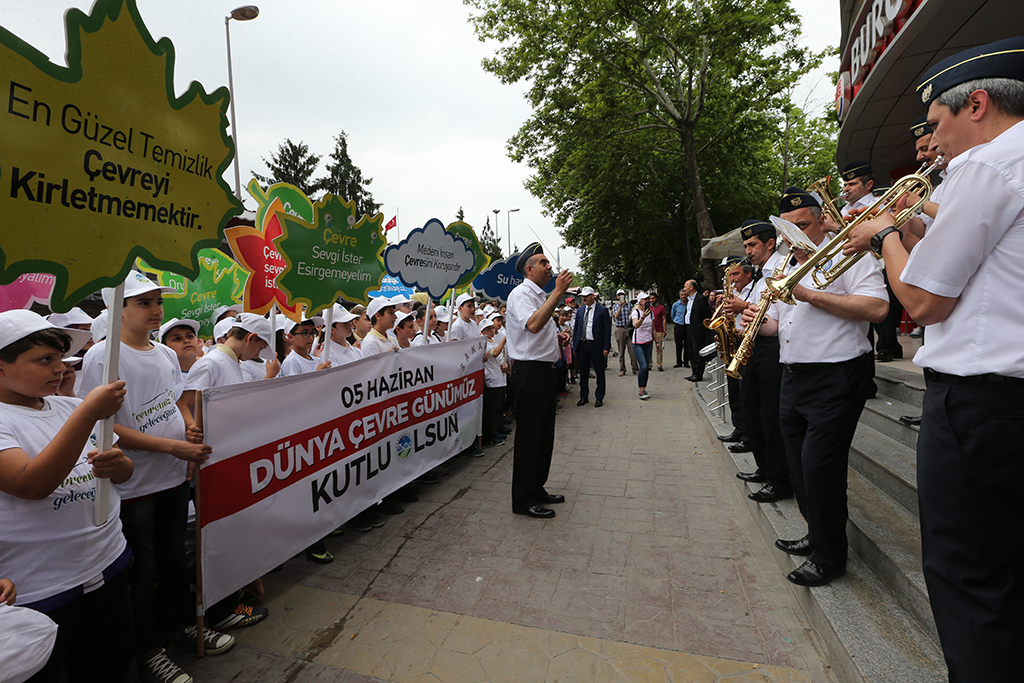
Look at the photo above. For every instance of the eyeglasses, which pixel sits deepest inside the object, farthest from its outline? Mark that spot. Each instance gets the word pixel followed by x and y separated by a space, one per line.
pixel 306 334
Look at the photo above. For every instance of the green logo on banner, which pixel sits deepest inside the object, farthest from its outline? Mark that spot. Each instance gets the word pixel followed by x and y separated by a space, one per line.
pixel 333 255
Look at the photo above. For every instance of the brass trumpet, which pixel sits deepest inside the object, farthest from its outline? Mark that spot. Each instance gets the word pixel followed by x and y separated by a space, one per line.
pixel 817 263
pixel 722 323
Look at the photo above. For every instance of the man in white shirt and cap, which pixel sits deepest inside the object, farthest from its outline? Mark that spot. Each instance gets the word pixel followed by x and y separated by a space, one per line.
pixel 969 460
pixel 533 345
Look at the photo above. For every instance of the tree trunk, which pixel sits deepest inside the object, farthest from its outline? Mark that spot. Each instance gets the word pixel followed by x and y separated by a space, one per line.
pixel 705 229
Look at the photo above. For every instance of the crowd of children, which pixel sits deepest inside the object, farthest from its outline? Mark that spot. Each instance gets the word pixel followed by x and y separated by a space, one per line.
pixel 119 593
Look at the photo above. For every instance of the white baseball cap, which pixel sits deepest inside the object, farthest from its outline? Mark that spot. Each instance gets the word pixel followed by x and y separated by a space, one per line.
pixel 260 326
pixel 587 291
pixel 76 316
pixel 222 328
pixel 177 322
pixel 463 298
pixel 488 309
pixel 496 314
pixel 443 316
pixel 221 310
pixel 315 319
pixel 485 323
pixel 620 291
pixel 399 299
pixel 402 315
pixel 376 305
pixel 641 296
pixel 99 327
pixel 17 324
pixel 135 284
pixel 342 315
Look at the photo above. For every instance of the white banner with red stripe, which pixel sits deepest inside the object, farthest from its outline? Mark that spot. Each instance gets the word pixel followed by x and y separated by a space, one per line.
pixel 296 457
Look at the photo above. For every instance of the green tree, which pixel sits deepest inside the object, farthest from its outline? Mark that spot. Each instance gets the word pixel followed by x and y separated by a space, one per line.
pixel 656 98
pixel 489 242
pixel 460 215
pixel 344 179
pixel 294 164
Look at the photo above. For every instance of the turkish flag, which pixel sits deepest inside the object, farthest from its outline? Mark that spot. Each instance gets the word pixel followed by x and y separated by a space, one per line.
pixel 391 223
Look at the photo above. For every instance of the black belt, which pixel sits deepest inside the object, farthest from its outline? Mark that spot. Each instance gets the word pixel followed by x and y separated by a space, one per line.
pixel 542 363
pixel 801 368
pixel 989 378
pixel 620 326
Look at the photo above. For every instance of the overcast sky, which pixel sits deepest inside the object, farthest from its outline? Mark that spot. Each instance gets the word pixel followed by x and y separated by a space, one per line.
pixel 401 77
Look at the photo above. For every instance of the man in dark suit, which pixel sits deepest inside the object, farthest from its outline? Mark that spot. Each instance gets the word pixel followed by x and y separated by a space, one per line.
pixel 697 311
pixel 591 344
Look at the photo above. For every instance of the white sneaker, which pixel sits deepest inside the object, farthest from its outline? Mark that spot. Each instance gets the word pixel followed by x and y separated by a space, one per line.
pixel 157 668
pixel 214 642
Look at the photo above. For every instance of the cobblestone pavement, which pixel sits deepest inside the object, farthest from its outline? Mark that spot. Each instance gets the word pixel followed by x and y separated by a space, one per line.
pixel 652 571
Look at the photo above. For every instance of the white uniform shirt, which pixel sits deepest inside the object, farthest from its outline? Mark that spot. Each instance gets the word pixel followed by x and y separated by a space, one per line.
pixel 936 197
pixel 746 294
pixel 294 364
pixel 522 344
pixel 974 251
pixel 862 203
pixel 810 335
pixel 152 378
pixel 218 368
pixel 342 355
pixel 460 329
pixel 375 343
pixel 254 370
pixel 758 287
pixel 49 546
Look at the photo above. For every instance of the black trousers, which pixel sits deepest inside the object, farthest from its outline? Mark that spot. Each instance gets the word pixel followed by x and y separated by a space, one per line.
pixel 736 404
pixel 534 385
pixel 95 636
pixel 679 334
pixel 887 331
pixel 494 402
pixel 818 415
pixel 970 465
pixel 762 382
pixel 699 338
pixel 591 355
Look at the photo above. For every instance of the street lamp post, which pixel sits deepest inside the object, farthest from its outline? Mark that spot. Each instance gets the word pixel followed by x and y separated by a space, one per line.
pixel 508 226
pixel 496 222
pixel 243 13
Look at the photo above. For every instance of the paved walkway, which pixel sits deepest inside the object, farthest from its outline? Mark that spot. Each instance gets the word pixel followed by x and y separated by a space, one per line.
pixel 652 571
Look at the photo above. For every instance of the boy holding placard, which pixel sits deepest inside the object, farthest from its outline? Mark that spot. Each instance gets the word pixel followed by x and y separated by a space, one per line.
pixel 64 565
pixel 154 511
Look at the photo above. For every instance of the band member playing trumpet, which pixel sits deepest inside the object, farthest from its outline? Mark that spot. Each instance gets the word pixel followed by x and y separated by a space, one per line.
pixel 735 296
pixel 824 348
pixel 969 463
pixel 762 378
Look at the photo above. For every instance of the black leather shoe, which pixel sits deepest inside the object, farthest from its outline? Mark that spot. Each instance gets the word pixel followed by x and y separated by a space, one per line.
pixel 911 420
pixel 740 447
pixel 736 435
pixel 810 574
pixel 754 477
pixel 598 403
pixel 883 357
pixel 769 494
pixel 678 365
pixel 551 498
pixel 691 378
pixel 801 546
pixel 538 511
pixel 582 402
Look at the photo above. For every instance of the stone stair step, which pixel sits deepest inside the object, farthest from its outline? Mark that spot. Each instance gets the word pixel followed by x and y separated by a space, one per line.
pixel 887 537
pixel 886 463
pixel 902 385
pixel 883 414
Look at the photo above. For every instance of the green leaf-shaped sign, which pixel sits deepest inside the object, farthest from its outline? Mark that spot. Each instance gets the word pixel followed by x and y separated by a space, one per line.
pixel 334 255
pixel 465 231
pixel 101 162
pixel 221 282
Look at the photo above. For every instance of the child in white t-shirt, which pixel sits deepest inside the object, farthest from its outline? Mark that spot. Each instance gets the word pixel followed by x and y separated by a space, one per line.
pixel 494 386
pixel 64 565
pixel 341 351
pixel 405 329
pixel 154 503
pixel 301 336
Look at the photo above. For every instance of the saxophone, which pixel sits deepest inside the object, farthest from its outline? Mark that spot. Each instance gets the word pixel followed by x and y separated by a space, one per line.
pixel 742 354
pixel 724 324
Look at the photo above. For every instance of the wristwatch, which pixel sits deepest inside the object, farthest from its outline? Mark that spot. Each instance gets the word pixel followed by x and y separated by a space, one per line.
pixel 876 241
